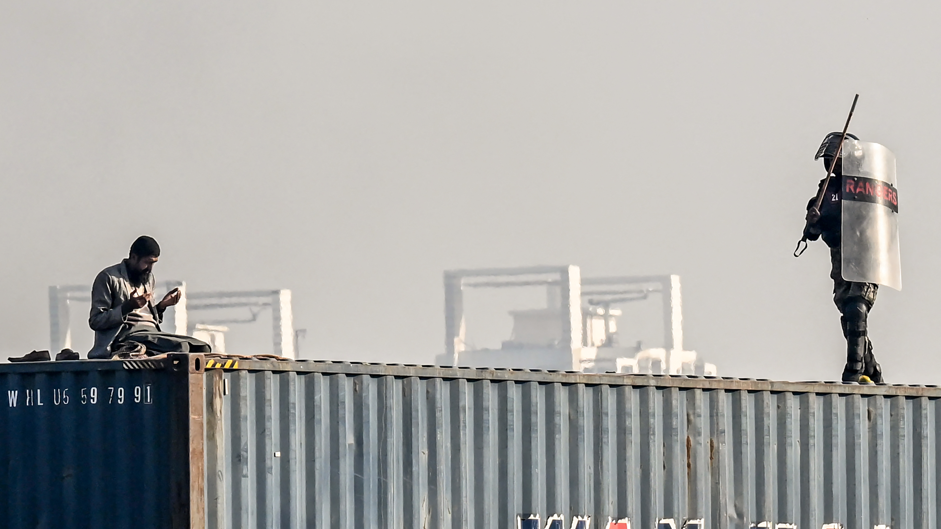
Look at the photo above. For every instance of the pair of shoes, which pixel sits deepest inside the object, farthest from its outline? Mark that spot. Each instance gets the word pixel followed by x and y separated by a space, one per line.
pixel 66 354
pixel 34 356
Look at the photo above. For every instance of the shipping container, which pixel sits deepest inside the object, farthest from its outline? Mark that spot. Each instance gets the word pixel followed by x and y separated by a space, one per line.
pixel 193 441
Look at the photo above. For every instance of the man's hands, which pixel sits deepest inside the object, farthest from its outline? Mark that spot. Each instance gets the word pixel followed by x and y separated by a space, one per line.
pixel 136 301
pixel 171 299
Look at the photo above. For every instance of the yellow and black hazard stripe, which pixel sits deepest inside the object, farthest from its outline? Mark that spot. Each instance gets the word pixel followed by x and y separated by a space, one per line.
pixel 222 364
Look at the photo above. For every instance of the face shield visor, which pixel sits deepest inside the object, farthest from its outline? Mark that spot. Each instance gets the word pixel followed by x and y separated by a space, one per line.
pixel 830 145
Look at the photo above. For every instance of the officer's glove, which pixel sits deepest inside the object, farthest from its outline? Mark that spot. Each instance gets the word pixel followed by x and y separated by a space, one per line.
pixel 811 232
pixel 813 215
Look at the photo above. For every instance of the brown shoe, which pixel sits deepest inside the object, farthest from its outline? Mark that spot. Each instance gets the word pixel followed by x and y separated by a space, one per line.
pixel 66 354
pixel 35 356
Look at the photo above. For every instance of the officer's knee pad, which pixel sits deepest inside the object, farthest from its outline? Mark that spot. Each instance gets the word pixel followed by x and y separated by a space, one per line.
pixel 855 313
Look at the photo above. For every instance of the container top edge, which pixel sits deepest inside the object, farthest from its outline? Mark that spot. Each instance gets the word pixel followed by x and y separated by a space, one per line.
pixel 85 366
pixel 570 377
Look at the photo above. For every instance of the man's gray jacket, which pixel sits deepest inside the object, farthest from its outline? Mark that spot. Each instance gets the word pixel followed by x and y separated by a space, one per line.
pixel 111 289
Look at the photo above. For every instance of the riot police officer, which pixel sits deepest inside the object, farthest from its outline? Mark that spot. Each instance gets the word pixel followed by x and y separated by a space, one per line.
pixel 853 299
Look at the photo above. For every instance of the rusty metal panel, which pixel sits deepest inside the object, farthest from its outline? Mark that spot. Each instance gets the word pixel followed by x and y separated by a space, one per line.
pixel 336 445
pixel 99 444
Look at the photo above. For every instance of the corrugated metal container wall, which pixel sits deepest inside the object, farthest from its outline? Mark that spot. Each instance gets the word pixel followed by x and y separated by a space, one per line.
pixel 259 444
pixel 347 445
pixel 97 444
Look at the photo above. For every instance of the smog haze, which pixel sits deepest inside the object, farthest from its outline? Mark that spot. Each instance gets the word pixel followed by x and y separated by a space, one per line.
pixel 352 153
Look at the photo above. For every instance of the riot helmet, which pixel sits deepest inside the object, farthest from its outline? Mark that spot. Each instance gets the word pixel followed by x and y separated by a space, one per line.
pixel 830 145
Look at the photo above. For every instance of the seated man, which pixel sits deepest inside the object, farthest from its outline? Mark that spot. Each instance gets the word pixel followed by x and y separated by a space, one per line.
pixel 123 312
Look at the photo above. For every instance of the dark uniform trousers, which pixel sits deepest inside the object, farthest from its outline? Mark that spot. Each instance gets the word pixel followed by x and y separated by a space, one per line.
pixel 844 290
pixel 848 296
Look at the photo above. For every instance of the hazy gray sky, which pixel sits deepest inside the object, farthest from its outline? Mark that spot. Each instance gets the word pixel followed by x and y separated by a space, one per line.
pixel 353 152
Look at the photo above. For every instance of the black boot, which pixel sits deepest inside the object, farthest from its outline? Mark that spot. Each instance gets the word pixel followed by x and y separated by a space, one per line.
pixel 860 364
pixel 873 369
pixel 855 351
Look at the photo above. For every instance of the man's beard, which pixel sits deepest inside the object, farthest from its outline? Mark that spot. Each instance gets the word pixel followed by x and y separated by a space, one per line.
pixel 138 278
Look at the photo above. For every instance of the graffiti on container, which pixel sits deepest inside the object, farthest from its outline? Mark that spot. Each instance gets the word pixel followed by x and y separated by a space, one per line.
pixel 557 521
pixel 669 523
pixel 90 395
pixel 840 526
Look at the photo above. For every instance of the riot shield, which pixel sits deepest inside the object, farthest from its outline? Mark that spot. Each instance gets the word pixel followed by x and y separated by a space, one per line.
pixel 870 234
